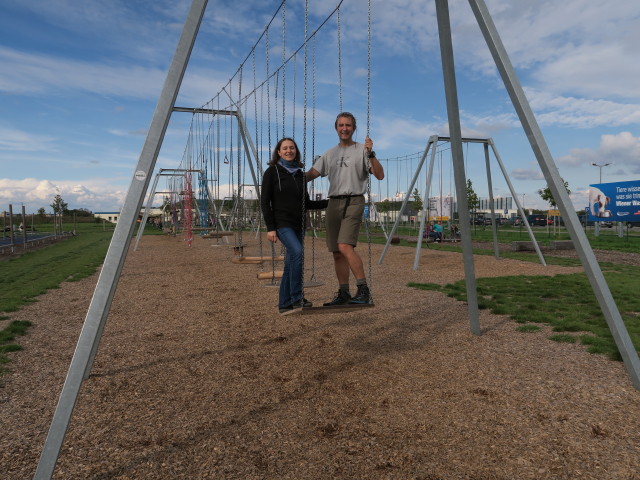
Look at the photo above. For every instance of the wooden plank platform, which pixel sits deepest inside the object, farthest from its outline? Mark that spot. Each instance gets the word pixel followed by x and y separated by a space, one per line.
pixel 255 260
pixel 561 244
pixel 218 234
pixel 270 275
pixel 350 307
pixel 525 246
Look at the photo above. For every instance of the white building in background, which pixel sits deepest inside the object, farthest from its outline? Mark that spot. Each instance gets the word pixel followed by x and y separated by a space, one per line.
pixel 108 216
pixel 114 216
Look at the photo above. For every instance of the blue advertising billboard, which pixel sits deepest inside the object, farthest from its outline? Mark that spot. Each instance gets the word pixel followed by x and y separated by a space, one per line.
pixel 614 202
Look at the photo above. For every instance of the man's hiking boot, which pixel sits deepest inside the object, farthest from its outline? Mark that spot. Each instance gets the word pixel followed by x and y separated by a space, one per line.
pixel 342 298
pixel 363 296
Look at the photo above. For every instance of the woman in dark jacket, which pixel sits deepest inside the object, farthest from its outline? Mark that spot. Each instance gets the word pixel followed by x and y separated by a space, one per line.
pixel 284 201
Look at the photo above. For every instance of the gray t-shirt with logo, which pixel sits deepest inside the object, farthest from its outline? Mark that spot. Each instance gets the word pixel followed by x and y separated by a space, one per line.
pixel 347 169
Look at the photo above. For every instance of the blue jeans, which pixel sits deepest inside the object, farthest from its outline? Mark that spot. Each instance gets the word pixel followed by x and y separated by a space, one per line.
pixel 291 282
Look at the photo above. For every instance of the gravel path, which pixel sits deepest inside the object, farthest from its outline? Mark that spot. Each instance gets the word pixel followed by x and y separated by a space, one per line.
pixel 199 377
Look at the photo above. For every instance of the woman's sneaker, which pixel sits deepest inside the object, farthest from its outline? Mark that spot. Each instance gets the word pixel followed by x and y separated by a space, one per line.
pixel 285 310
pixel 295 306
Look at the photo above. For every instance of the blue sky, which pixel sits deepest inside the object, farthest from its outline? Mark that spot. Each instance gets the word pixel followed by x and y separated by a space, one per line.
pixel 80 81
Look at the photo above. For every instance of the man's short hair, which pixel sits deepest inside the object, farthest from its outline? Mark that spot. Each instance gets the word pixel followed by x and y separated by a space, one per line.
pixel 346 115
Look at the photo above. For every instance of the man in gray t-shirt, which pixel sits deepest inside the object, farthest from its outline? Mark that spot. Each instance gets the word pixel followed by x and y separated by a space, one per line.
pixel 347 166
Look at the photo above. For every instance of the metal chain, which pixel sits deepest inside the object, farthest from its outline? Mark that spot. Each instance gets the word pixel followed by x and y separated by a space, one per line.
pixel 304 136
pixel 258 160
pixel 370 203
pixel 339 62
pixel 284 59
pixel 313 144
pixel 369 69
pixel 295 72
pixel 276 81
pixel 268 91
pixel 240 199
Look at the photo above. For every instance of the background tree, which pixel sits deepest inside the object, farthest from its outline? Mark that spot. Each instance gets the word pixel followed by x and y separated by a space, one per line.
pixel 417 201
pixel 59 206
pixel 472 197
pixel 547 196
pixel 80 212
pixel 41 212
pixel 383 206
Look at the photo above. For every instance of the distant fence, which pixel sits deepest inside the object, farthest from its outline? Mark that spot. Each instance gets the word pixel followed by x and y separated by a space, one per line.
pixel 34 241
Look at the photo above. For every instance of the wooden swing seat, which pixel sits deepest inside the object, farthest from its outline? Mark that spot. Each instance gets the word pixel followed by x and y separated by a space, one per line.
pixel 336 308
pixel 270 275
pixel 217 234
pixel 255 260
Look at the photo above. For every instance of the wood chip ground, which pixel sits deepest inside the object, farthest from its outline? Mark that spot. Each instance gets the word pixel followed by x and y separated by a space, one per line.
pixel 198 377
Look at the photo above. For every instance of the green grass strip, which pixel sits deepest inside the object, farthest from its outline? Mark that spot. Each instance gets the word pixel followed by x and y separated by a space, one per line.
pixel 34 273
pixel 565 302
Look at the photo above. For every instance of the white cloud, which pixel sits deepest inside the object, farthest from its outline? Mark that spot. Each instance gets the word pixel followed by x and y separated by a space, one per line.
pixel 27 73
pixel 93 194
pixel 527 174
pixel 581 112
pixel 12 139
pixel 621 150
pixel 405 131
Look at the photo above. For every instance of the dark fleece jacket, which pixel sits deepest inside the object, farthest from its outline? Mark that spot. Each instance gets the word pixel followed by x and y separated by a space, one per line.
pixel 281 198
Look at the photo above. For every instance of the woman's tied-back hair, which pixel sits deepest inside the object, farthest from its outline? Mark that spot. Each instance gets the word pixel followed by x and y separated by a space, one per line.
pixel 346 115
pixel 275 156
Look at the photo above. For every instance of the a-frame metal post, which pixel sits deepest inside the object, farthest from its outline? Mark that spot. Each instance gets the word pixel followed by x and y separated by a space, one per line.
pixel 152 194
pixel 427 202
pixel 494 231
pixel 453 113
pixel 556 185
pixel 430 144
pixel 117 252
pixel 515 198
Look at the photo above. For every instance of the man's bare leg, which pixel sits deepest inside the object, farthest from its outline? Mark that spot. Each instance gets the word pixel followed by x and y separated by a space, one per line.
pixel 342 273
pixel 363 295
pixel 352 259
pixel 342 267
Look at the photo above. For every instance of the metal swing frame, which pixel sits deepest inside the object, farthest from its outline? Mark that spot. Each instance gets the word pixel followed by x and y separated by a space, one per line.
pixel 98 311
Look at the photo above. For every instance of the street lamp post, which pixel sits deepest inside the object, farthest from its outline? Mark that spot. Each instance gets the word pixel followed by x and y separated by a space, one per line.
pixel 600 167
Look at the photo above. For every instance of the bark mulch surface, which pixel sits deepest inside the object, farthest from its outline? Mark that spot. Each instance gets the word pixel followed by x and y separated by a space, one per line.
pixel 198 377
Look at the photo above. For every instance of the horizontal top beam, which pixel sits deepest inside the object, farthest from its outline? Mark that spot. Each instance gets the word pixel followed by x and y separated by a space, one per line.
pixel 175 170
pixel 209 111
pixel 470 140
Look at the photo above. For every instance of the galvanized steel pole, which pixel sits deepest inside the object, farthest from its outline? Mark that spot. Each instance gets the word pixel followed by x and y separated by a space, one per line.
pixel 117 252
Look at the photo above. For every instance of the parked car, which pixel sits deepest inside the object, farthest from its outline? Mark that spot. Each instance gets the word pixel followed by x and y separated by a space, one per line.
pixel 584 220
pixel 537 220
pixel 477 220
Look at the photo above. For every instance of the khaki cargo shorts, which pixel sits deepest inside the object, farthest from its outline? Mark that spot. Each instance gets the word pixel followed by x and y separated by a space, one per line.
pixel 343 220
